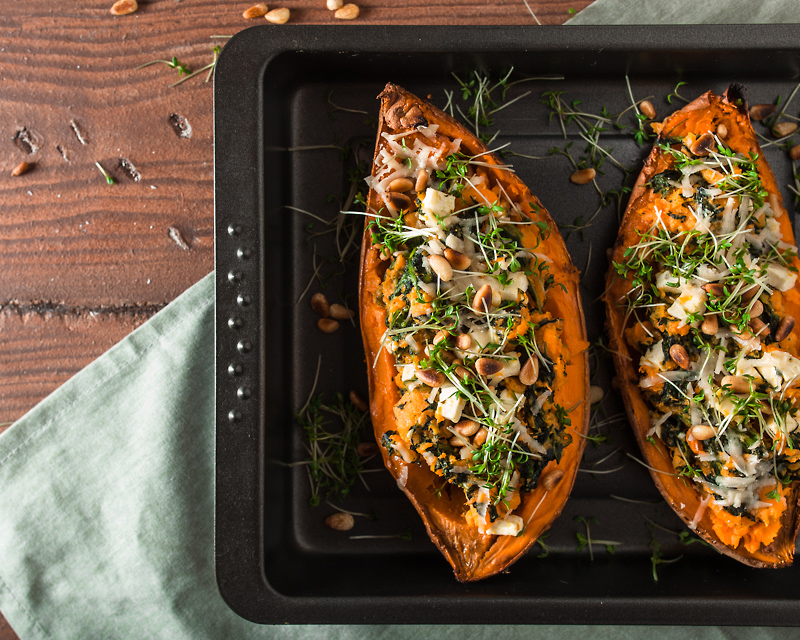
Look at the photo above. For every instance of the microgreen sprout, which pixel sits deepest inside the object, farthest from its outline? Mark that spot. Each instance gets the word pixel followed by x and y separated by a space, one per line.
pixel 105 173
pixel 585 541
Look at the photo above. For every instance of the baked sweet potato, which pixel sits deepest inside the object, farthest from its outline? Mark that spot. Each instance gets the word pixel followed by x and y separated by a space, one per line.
pixel 701 304
pixel 474 338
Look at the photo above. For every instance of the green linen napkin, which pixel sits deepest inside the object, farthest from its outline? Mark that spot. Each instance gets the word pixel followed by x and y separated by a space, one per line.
pixel 107 486
pixel 686 12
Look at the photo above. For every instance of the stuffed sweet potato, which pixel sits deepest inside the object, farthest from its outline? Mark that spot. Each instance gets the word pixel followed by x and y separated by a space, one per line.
pixel 701 304
pixel 474 338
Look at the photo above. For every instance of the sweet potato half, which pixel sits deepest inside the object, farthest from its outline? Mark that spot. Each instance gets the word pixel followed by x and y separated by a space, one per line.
pixel 474 338
pixel 701 303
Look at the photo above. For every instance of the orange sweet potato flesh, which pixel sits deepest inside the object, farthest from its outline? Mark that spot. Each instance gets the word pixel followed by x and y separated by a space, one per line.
pixel 704 114
pixel 473 556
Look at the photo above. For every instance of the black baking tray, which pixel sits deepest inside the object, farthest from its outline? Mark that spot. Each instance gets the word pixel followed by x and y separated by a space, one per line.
pixel 279 89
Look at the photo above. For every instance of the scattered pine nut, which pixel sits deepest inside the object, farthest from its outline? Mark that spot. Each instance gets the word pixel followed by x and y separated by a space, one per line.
pixel 256 11
pixel 784 328
pixel 358 402
pixel 551 479
pixel 482 301
pixel 278 16
pixel 401 185
pixel 366 449
pixel 464 341
pixel 738 384
pixel 703 145
pixel 319 303
pixel 430 377
pixel 349 11
pixel 422 180
pixel 783 129
pixel 124 7
pixel 722 131
pixel 441 267
pixel 530 371
pixel 327 325
pixel 340 312
pixel 648 109
pixel 333 5
pixel 703 432
pixel 760 111
pixel 340 521
pixel 458 260
pixel 583 176
pixel 488 367
pixel 679 355
pixel 22 167
pixel 710 325
pixel 596 394
pixel 466 428
pixel 794 152
pixel 480 437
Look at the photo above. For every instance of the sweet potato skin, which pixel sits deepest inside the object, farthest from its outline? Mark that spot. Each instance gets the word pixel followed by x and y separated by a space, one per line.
pixel 472 555
pixel 703 114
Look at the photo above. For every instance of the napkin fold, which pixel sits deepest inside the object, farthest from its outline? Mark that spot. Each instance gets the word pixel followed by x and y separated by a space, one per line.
pixel 107 486
pixel 663 12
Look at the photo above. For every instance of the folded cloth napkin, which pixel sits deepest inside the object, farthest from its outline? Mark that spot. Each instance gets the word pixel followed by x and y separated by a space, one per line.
pixel 107 486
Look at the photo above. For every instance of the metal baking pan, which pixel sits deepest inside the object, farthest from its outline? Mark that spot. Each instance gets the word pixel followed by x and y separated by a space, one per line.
pixel 280 89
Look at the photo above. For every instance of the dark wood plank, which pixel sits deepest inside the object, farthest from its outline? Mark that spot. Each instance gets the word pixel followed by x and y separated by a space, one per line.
pixel 83 262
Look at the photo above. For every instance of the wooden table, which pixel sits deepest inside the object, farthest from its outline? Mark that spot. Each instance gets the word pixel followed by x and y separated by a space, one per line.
pixel 83 262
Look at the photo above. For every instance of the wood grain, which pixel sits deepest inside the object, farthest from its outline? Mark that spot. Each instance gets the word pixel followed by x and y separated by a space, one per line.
pixel 83 262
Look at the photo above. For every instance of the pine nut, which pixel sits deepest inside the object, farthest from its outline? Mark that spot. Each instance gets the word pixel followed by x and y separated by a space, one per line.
pixel 422 180
pixel 703 144
pixel 794 152
pixel 458 260
pixel 401 185
pixel 757 326
pixel 441 267
pixel 760 111
pixel 21 168
pixel 349 11
pixel 482 301
pixel 480 437
pixel 358 402
pixel 703 432
pixel 327 325
pixel 583 176
pixel 278 16
pixel 366 449
pixel 757 309
pixel 751 293
pixel 455 441
pixel 467 428
pixel 340 312
pixel 710 325
pixel 722 131
pixel 530 371
pixel 783 129
pixel 333 5
pixel 256 11
pixel 679 355
pixel 551 479
pixel 464 341
pixel 738 384
pixel 440 335
pixel 319 303
pixel 399 200
pixel 716 289
pixel 340 521
pixel 784 328
pixel 488 367
pixel 648 109
pixel 464 373
pixel 430 377
pixel 124 7
pixel 596 394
